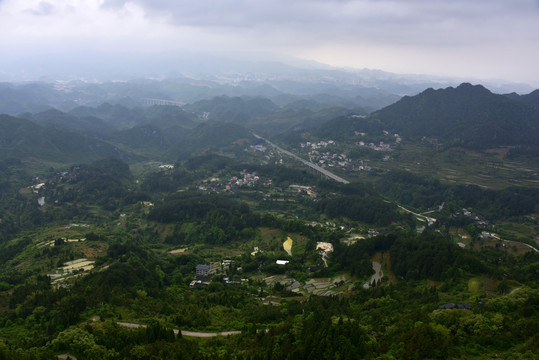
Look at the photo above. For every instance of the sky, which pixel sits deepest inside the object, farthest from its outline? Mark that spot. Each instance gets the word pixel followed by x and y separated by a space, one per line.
pixel 480 39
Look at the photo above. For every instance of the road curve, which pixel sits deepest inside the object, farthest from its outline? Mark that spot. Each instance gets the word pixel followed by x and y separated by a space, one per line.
pixel 308 163
pixel 202 334
pixel 185 332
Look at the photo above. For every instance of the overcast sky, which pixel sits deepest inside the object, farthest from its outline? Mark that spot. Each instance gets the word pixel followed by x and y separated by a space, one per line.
pixel 466 38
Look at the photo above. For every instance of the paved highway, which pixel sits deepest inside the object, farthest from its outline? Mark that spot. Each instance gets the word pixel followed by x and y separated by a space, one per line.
pixel 308 163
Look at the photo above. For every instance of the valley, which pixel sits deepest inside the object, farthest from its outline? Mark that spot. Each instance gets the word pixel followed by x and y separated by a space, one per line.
pixel 211 230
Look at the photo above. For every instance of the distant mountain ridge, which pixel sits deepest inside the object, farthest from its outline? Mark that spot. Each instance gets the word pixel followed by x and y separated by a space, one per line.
pixel 469 116
pixel 530 99
pixel 159 132
pixel 69 122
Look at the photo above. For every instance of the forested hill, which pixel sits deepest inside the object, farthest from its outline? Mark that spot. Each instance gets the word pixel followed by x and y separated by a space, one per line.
pixel 531 98
pixel 121 117
pixel 229 108
pixel 467 115
pixel 211 136
pixel 22 139
pixel 86 124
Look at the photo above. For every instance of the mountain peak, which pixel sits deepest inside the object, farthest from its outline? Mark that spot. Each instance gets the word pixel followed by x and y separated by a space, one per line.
pixel 469 115
pixel 479 89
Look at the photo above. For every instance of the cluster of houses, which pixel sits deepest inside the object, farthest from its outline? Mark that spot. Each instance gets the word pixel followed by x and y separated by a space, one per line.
pixel 260 148
pixel 318 145
pixel 382 145
pixel 331 159
pixel 479 220
pixel 488 235
pixel 245 179
pixel 204 272
pixel 309 190
pixel 326 158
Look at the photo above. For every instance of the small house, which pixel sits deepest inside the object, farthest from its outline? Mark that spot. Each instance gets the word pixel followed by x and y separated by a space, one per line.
pixel 456 306
pixel 215 267
pixel 198 283
pixel 202 270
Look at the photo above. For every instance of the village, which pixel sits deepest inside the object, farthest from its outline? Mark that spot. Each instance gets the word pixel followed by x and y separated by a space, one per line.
pixel 327 153
pixel 382 145
pixel 230 182
pixel 329 159
pixel 229 273
pixel 317 154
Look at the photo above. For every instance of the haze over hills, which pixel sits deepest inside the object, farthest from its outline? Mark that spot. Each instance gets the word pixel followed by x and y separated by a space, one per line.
pixel 314 87
pixel 469 116
pixel 54 117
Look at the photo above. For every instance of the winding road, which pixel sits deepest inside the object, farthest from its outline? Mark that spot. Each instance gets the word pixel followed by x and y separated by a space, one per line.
pixel 429 220
pixel 185 332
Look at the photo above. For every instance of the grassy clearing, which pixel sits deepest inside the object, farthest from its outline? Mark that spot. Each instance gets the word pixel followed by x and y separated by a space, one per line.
pixel 487 169
pixel 178 251
pixel 475 286
pixel 163 230
pixel 511 247
pixel 91 250
pixel 217 251
pixel 300 242
pixel 270 239
pixel 490 286
pixel 527 229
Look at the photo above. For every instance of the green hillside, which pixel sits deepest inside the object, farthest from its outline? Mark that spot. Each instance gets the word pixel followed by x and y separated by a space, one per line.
pixel 23 139
pixel 228 108
pixel 467 115
pixel 210 137
pixel 89 124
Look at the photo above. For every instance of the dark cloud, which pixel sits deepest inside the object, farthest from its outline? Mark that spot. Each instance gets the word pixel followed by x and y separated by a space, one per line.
pixel 411 21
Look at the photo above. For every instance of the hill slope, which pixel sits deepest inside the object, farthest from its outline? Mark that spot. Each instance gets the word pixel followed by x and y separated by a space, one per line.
pixel 69 122
pixel 530 99
pixel 211 136
pixel 467 115
pixel 23 139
